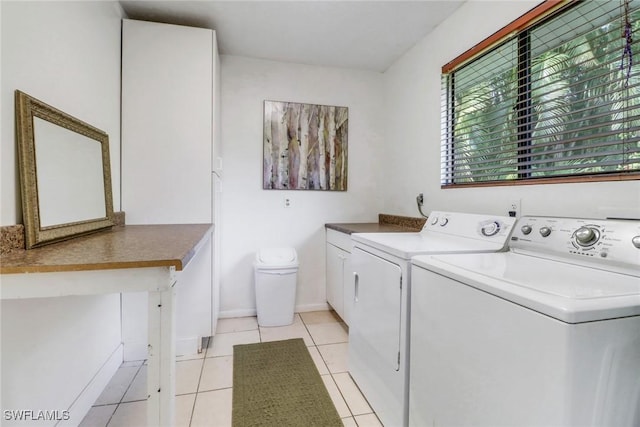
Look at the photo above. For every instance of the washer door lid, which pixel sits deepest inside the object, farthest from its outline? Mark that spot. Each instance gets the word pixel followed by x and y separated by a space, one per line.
pixel 569 293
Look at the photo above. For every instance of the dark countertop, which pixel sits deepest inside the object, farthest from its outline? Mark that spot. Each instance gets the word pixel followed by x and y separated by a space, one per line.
pixel 367 227
pixel 130 246
pixel 386 224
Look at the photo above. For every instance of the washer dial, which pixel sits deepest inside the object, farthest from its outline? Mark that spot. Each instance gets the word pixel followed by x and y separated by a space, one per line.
pixel 586 236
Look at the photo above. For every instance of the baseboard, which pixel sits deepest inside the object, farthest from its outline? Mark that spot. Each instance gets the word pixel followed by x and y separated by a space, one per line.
pixel 238 313
pixel 92 391
pixel 138 350
pixel 252 312
pixel 312 307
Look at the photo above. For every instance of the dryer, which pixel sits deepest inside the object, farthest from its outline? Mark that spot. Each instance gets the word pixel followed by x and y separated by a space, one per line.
pixel 546 334
pixel 378 354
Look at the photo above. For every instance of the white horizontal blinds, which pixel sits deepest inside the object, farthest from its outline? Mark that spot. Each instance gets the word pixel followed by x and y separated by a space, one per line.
pixel 584 110
pixel 550 101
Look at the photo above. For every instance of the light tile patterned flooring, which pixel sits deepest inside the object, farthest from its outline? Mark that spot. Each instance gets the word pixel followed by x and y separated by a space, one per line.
pixel 204 382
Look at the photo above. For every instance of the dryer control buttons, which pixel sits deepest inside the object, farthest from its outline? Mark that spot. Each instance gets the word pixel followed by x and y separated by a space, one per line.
pixel 490 229
pixel 586 236
pixel 636 241
pixel 545 231
pixel 444 221
pixel 526 229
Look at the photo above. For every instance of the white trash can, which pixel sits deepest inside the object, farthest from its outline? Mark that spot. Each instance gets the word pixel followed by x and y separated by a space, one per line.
pixel 276 274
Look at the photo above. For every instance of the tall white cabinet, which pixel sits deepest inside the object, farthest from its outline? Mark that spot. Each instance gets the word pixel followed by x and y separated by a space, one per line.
pixel 170 108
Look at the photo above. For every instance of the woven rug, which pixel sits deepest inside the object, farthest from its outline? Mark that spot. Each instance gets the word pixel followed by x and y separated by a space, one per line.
pixel 277 384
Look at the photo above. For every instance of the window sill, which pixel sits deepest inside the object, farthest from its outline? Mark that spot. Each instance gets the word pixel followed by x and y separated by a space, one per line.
pixel 559 180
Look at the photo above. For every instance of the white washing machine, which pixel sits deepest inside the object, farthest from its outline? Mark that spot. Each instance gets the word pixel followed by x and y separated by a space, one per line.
pixel 378 331
pixel 547 334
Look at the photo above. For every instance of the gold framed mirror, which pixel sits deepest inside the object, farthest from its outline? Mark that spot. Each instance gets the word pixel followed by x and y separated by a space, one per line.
pixel 65 173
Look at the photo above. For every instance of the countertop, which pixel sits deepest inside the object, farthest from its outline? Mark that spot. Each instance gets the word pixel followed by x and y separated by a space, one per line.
pixel 130 246
pixel 367 227
pixel 386 224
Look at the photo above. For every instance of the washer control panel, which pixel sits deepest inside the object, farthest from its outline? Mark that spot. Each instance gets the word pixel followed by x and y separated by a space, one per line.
pixel 592 240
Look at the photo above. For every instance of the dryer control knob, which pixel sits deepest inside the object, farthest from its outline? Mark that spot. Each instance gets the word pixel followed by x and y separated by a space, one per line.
pixel 545 231
pixel 636 241
pixel 586 236
pixel 491 229
pixel 434 221
pixel 444 221
pixel 526 229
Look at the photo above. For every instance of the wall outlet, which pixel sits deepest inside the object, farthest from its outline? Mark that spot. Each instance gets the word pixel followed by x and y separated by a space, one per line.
pixel 513 208
pixel 287 202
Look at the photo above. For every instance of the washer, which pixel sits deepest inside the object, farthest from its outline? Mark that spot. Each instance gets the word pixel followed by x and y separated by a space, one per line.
pixel 547 334
pixel 378 332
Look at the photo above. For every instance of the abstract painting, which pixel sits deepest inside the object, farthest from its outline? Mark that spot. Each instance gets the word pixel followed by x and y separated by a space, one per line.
pixel 305 146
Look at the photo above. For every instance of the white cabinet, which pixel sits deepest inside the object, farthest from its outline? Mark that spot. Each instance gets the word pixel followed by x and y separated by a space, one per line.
pixel 170 93
pixel 336 258
pixel 339 274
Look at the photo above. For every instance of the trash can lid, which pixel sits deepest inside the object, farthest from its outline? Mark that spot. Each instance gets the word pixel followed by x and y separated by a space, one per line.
pixel 276 257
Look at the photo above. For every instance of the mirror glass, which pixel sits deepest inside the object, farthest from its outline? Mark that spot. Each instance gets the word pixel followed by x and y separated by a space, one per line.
pixel 64 171
pixel 69 174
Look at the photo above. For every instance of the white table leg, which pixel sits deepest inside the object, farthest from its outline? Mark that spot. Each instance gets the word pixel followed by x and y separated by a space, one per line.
pixel 162 359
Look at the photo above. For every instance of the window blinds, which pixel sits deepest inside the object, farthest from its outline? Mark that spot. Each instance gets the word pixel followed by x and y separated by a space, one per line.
pixel 560 98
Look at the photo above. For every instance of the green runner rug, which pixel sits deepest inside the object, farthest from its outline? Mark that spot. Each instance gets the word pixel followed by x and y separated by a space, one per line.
pixel 277 384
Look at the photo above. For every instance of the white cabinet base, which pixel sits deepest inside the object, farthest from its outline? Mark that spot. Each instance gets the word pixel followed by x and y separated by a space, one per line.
pixel 336 258
pixel 339 274
pixel 193 304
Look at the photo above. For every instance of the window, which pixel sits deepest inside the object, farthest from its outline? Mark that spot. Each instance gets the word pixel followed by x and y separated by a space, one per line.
pixel 557 101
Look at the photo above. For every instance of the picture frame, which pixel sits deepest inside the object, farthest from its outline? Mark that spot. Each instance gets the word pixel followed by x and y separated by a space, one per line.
pixel 65 173
pixel 305 146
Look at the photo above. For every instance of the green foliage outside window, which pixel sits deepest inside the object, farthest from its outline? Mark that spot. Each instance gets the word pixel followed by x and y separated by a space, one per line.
pixel 540 106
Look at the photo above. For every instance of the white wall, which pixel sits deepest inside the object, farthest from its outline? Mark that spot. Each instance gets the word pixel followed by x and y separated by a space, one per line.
pixel 412 137
pixel 252 217
pixel 66 54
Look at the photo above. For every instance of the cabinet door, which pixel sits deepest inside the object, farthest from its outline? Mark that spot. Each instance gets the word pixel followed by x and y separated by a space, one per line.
pixel 167 114
pixel 335 275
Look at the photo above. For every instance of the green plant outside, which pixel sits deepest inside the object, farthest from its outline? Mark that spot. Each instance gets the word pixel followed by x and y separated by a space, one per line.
pixel 584 114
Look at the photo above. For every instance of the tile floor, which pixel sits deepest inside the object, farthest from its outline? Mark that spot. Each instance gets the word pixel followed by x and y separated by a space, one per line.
pixel 204 381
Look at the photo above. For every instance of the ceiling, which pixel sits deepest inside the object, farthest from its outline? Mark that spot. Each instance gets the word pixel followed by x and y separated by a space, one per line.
pixel 368 35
